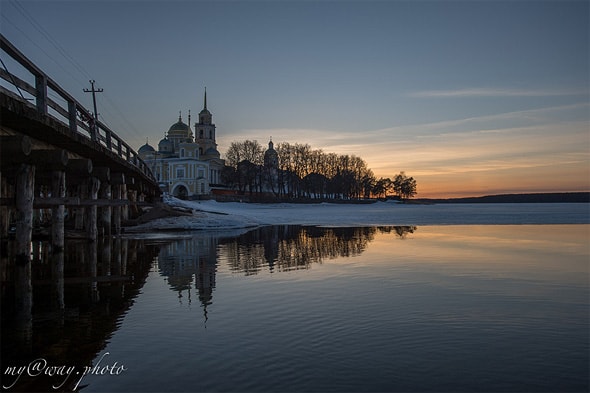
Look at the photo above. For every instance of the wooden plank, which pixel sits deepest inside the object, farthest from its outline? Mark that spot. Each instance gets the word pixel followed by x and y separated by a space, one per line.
pixel 57 107
pixel 15 80
pixel 104 202
pixel 44 203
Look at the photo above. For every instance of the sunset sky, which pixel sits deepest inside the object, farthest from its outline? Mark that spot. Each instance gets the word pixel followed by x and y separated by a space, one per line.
pixel 469 98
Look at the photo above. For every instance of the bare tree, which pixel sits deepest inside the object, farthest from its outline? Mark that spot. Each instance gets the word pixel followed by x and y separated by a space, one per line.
pixel 306 172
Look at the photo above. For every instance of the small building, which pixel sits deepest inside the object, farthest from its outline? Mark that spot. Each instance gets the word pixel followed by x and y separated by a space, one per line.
pixel 186 165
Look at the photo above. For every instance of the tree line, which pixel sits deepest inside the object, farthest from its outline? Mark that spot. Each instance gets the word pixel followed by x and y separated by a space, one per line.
pixel 303 172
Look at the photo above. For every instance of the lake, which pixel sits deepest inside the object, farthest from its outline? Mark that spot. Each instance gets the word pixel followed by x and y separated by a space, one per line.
pixel 481 308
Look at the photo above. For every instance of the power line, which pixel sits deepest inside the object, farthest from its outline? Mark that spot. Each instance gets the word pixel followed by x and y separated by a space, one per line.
pixel 13 81
pixel 78 81
pixel 22 10
pixel 122 117
pixel 49 38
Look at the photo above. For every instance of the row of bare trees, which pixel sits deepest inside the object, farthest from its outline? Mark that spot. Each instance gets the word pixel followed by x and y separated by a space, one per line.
pixel 303 172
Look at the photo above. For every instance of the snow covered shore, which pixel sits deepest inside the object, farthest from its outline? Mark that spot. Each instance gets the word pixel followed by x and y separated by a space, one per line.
pixel 212 215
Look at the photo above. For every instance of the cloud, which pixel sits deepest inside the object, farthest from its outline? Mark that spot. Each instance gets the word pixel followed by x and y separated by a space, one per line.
pixel 494 122
pixel 541 149
pixel 529 131
pixel 497 92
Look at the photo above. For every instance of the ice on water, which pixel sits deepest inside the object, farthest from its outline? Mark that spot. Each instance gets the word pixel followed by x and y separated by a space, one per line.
pixel 210 215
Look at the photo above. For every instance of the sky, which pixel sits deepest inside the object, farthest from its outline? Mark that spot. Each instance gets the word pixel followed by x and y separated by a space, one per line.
pixel 468 97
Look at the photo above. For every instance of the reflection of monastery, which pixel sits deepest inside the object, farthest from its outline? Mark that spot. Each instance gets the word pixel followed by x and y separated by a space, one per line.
pixel 186 260
pixel 281 248
pixel 186 165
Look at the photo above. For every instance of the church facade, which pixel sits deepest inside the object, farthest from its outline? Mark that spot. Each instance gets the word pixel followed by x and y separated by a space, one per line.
pixel 186 164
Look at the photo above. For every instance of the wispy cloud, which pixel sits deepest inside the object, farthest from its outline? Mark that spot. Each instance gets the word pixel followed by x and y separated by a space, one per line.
pixel 497 92
pixel 542 149
pixel 468 124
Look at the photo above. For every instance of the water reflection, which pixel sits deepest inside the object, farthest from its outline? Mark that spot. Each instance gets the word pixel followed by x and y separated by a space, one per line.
pixel 450 298
pixel 190 259
pixel 67 303
pixel 64 305
pixel 284 248
pixel 280 248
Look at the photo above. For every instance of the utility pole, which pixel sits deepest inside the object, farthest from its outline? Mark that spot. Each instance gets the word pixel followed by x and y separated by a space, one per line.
pixel 93 91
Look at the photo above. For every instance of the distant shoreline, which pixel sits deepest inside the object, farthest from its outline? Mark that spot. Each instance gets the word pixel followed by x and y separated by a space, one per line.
pixel 556 197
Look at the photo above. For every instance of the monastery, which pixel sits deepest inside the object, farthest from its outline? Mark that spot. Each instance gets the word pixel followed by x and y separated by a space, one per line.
pixel 186 165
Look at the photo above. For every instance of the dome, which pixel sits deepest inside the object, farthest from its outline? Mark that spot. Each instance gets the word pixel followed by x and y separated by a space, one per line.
pixel 179 126
pixel 271 157
pixel 211 152
pixel 146 149
pixel 166 145
pixel 271 150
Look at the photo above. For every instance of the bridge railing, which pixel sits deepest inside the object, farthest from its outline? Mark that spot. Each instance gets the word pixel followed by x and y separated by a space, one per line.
pixel 63 107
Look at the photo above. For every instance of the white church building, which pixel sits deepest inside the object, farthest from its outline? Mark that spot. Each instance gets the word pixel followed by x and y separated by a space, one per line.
pixel 186 165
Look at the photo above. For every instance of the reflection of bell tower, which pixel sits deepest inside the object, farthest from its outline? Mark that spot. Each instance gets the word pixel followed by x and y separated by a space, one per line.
pixel 271 245
pixel 205 283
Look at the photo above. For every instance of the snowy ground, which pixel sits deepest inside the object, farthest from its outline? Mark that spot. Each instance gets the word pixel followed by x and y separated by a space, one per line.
pixel 212 215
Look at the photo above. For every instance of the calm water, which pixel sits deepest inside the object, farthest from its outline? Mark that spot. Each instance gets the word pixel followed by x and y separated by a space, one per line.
pixel 289 308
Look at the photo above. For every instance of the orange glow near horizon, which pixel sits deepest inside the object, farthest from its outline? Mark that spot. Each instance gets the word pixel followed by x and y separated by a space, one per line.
pixel 468 182
pixel 531 151
pixel 565 178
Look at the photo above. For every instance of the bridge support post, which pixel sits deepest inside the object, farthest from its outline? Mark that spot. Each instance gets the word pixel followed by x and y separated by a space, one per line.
pixel 82 193
pixel 105 211
pixel 117 180
pixel 117 209
pixel 104 192
pixel 124 208
pixel 41 93
pixel 14 150
pixel 91 211
pixel 25 194
pixel 133 207
pixel 58 190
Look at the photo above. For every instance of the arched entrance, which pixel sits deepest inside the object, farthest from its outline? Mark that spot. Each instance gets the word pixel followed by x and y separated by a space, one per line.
pixel 180 192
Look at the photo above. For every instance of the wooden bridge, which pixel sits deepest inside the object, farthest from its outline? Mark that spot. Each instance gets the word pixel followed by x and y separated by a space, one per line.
pixel 59 165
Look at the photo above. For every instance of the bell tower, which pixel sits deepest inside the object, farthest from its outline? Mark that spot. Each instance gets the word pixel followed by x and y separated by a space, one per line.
pixel 205 130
